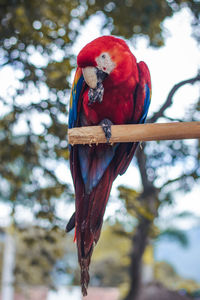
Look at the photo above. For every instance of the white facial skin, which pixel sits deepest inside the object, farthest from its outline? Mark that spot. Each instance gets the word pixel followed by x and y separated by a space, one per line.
pixel 104 63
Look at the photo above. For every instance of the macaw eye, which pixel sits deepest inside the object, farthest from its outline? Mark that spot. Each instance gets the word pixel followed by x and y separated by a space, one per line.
pixel 103 56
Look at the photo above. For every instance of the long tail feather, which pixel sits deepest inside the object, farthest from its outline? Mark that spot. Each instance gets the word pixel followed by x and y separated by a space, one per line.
pixel 90 207
pixel 89 222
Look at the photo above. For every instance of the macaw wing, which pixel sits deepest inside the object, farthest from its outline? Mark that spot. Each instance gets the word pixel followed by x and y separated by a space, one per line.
pixel 92 161
pixel 75 98
pixel 142 98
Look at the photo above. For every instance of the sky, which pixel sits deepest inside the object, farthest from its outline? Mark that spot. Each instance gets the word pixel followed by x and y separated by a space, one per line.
pixel 177 60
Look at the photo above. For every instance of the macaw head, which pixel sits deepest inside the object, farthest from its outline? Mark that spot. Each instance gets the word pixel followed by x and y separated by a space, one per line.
pixel 109 55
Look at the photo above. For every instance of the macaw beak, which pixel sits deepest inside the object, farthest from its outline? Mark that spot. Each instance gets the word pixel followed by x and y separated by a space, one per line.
pixel 93 75
pixel 90 76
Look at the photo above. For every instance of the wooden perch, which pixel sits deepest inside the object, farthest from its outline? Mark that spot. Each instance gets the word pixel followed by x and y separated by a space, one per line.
pixel 135 133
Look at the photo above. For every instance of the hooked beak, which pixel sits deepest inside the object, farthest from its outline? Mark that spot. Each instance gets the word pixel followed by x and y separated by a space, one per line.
pixel 92 76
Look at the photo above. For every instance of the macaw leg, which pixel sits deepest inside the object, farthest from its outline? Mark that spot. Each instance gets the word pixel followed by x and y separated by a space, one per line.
pixel 106 126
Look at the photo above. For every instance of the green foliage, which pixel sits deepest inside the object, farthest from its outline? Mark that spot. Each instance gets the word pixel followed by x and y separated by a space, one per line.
pixel 134 204
pixel 111 259
pixel 166 274
pixel 132 18
pixel 29 159
pixel 175 234
pixel 40 256
pixel 38 250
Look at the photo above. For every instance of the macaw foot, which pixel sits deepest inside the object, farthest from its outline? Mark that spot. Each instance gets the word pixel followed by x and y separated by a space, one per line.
pixel 106 126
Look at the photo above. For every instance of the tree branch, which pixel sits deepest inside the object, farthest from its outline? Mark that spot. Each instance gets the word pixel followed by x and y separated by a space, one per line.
pixel 169 99
pixel 135 133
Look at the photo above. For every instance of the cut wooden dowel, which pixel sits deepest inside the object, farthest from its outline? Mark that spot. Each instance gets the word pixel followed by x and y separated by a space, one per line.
pixel 135 133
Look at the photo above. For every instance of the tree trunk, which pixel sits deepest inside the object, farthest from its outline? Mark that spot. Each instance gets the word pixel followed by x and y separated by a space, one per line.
pixel 139 242
pixel 140 238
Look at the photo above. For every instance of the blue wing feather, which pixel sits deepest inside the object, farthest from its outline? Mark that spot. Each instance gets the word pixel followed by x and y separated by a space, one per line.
pixel 94 160
pixel 75 96
pixel 146 104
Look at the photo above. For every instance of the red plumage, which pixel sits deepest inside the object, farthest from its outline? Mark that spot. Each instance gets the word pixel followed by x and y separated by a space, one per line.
pixel 126 98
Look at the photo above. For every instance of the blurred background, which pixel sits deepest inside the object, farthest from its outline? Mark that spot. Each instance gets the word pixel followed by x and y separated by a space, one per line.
pixel 150 242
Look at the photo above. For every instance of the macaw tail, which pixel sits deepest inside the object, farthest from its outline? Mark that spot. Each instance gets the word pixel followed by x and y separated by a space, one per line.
pixel 89 218
pixel 91 200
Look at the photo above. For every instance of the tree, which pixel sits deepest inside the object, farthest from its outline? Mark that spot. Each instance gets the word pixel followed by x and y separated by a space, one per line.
pixel 42 256
pixel 152 161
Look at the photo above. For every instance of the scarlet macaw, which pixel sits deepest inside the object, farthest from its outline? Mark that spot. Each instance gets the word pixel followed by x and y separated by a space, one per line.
pixel 109 87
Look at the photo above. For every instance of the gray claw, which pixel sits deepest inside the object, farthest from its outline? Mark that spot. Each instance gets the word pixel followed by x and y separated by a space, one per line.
pixel 106 126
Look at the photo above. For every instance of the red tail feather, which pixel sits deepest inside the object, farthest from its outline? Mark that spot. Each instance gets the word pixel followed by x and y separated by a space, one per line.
pixel 89 222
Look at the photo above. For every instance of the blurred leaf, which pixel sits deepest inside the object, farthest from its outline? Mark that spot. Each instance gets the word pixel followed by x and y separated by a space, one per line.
pixel 110 260
pixel 175 234
pixel 166 274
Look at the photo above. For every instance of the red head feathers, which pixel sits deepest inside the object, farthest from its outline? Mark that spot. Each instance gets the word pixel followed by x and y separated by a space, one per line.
pixel 109 54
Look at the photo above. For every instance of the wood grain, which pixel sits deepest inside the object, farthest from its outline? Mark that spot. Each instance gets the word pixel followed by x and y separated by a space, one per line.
pixel 135 133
